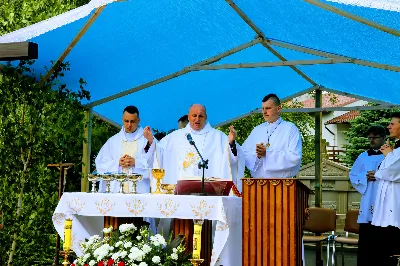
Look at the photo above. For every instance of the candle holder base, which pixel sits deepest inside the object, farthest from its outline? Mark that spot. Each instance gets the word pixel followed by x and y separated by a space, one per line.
pixel 196 262
pixel 65 254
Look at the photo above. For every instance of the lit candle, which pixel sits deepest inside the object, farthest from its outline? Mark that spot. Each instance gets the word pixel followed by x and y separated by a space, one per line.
pixel 67 234
pixel 197 239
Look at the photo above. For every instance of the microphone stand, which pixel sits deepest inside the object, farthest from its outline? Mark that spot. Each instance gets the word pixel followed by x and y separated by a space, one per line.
pixel 203 164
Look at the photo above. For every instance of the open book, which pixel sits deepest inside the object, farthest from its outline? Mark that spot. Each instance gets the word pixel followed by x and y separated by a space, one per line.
pixel 212 186
pixel 198 178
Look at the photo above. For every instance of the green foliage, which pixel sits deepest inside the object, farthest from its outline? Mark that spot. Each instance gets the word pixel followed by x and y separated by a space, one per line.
pixel 357 137
pixel 303 121
pixel 39 126
pixel 16 14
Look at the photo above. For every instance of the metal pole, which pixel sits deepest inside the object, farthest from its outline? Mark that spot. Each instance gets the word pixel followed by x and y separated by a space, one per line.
pixel 86 150
pixel 318 164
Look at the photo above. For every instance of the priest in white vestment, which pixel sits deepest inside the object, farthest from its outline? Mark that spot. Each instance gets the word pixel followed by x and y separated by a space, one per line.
pixel 180 159
pixel 129 151
pixel 363 180
pixel 387 204
pixel 274 148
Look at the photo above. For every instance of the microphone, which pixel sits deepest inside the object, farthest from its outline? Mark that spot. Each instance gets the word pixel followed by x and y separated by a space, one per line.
pixel 189 138
pixel 202 165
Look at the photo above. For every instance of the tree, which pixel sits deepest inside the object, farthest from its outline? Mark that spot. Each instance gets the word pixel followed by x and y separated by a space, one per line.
pixel 356 136
pixel 38 126
pixel 16 14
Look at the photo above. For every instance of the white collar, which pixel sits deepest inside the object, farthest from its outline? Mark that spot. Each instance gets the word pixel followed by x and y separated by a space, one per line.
pixel 202 131
pixel 136 134
pixel 277 122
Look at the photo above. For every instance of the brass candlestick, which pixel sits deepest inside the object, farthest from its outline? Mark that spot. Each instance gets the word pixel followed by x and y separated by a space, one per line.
pixel 65 254
pixel 196 262
pixel 158 175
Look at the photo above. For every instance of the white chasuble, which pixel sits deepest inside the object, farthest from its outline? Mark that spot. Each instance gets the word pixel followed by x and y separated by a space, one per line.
pixel 358 178
pixel 128 148
pixel 283 150
pixel 387 203
pixel 132 144
pixel 180 159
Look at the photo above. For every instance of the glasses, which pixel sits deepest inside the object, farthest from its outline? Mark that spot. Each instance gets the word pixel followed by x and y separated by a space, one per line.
pixel 372 138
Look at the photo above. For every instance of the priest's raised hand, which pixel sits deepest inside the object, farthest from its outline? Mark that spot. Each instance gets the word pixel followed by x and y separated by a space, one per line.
pixel 386 148
pixel 232 135
pixel 147 134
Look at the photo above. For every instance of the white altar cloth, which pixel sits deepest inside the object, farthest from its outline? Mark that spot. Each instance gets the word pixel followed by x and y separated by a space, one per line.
pixel 88 209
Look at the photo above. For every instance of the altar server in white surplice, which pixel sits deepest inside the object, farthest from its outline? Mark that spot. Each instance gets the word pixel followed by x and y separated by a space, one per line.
pixel 273 149
pixel 129 151
pixel 387 204
pixel 180 159
pixel 363 180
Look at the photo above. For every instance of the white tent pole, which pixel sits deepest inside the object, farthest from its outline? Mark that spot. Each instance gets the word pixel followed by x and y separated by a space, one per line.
pixel 331 109
pixel 311 89
pixel 274 64
pixel 105 119
pixel 355 96
pixel 330 55
pixel 313 110
pixel 354 17
pixel 262 35
pixel 176 74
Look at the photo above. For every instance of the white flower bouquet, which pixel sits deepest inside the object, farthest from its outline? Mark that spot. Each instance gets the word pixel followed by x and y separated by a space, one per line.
pixel 132 247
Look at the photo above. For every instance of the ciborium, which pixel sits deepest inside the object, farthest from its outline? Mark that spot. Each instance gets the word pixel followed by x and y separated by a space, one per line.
pixel 134 178
pixel 169 188
pixel 158 175
pixel 93 178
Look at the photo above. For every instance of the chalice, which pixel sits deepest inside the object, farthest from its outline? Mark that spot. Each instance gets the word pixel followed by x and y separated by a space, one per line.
pixel 158 174
pixel 93 178
pixel 134 178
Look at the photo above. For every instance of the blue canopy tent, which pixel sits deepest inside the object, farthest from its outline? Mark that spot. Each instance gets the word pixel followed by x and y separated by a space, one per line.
pixel 163 56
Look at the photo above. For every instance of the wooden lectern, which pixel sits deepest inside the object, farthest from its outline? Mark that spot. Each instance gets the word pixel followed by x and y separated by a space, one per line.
pixel 274 213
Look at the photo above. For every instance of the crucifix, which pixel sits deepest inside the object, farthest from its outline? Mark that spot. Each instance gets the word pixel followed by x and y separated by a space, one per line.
pixel 63 168
pixel 18 51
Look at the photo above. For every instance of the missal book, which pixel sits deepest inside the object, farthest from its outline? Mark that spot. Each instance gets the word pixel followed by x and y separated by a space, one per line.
pixel 212 186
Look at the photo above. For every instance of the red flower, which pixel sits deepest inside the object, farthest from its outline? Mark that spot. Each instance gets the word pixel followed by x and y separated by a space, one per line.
pixel 72 264
pixel 101 263
pixel 86 264
pixel 110 262
pixel 121 263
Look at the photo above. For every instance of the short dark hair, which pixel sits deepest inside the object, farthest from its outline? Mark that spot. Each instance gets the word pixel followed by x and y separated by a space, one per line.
pixel 395 115
pixel 183 119
pixel 377 130
pixel 273 97
pixel 131 109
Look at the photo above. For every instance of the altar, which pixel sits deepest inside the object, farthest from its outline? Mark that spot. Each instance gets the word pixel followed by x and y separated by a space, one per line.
pixel 87 211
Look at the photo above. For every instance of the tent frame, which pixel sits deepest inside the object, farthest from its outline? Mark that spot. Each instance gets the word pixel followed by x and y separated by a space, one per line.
pixel 267 43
